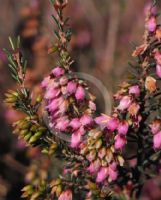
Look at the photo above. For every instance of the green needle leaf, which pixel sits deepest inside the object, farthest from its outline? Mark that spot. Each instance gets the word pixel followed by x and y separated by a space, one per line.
pixel 11 43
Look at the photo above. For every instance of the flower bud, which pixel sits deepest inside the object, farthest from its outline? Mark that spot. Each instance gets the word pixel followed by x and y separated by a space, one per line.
pixel 157 140
pixel 80 93
pixel 102 152
pixel 71 87
pixel 123 128
pixel 62 123
pixel 124 103
pixel 120 160
pixel 91 156
pixel 75 140
pixel 133 109
pixel 60 5
pixel 150 84
pixel 94 166
pixel 112 170
pixel 58 71
pixel 102 120
pixel 158 70
pixel 28 136
pixel 45 82
pixel 109 155
pixel 92 105
pixel 102 174
pixel 152 24
pixel 86 120
pixel 158 34
pixel 134 90
pixel 158 57
pixel 98 144
pixel 120 142
pixel 112 124
pixel 63 80
pixel 155 126
pixel 95 133
pixel 75 123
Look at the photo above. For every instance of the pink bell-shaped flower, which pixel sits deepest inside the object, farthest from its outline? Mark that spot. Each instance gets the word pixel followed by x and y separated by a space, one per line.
pixel 86 120
pixel 58 71
pixel 124 103
pixel 123 128
pixel 152 24
pixel 157 140
pixel 134 90
pixel 80 93
pixel 71 87
pixel 120 142
pixel 158 70
pixel 102 174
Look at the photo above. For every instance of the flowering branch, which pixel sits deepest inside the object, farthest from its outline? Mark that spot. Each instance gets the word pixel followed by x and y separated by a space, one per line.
pixel 95 147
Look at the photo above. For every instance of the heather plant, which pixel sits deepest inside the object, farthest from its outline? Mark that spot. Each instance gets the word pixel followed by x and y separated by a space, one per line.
pixel 105 156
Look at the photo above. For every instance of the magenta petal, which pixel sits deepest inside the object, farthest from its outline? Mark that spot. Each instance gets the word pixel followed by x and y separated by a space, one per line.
pixel 53 106
pixel 119 142
pixel 158 57
pixel 112 173
pixel 113 124
pixel 75 140
pixel 58 71
pixel 86 120
pixel 62 123
pixel 102 120
pixel 45 82
pixel 92 105
pixel 71 87
pixel 102 174
pixel 63 80
pixel 63 106
pixel 94 166
pixel 123 128
pixel 52 93
pixel 157 140
pixel 134 90
pixel 158 70
pixel 152 24
pixel 75 123
pixel 124 103
pixel 80 93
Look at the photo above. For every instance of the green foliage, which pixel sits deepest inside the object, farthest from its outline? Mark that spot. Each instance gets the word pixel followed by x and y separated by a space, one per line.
pixel 17 63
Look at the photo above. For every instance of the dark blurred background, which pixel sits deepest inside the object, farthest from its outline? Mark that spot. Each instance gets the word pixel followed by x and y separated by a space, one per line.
pixel 104 35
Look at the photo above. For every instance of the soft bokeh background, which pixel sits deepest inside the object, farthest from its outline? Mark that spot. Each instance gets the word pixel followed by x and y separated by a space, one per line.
pixel 104 34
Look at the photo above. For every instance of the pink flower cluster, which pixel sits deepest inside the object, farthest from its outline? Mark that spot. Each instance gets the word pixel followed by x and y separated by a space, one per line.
pixel 69 105
pixel 102 157
pixel 110 171
pixel 70 110
pixel 156 131
pixel 117 124
pixel 100 140
pixel 155 31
